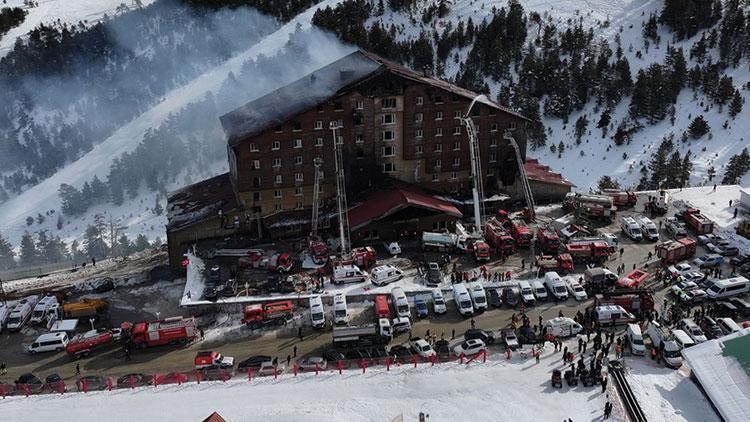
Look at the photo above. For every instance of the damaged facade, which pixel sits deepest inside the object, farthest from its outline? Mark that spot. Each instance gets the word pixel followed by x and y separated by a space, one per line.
pixel 397 128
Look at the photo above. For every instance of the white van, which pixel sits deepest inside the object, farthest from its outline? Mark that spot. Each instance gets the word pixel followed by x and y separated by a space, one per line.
pixel 527 293
pixel 385 274
pixel 400 302
pixel 563 327
pixel 340 313
pixel 400 325
pixel 683 340
pixel 317 315
pixel 727 325
pixel 631 229
pixel 47 305
pixel 462 299
pixel 478 296
pixel 438 302
pixel 555 286
pixel 539 291
pixel 4 313
pixel 635 340
pixel 19 316
pixel 50 342
pixel 605 314
pixel 648 228
pixel 659 334
pixel 728 287
pixel 348 274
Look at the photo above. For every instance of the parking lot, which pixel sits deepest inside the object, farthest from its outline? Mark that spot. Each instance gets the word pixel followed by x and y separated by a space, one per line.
pixel 224 333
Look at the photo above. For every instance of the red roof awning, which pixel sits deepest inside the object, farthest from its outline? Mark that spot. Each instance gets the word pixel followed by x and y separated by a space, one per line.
pixel 541 173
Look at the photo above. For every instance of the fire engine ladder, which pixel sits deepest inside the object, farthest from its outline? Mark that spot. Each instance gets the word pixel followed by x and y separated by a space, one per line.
pixel 317 162
pixel 476 166
pixel 340 190
pixel 524 180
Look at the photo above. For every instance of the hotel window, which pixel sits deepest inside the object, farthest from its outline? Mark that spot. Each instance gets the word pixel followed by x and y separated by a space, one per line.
pixel 298 160
pixel 512 124
pixel 257 182
pixel 338 106
pixel 435 177
pixel 457 146
pixel 420 100
pixel 360 105
pixel 438 131
pixel 277 207
pixel 253 147
pixel 389 151
pixel 456 130
pixel 298 191
pixel 438 147
pixel 388 119
pixel 419 134
pixel 438 163
pixel 340 140
pixel 277 162
pixel 389 167
pixel 438 100
pixel 275 146
pixel 298 143
pixel 456 114
pixel 318 142
pixel 298 205
pixel 418 117
pixel 296 126
pixel 318 125
pixel 389 135
pixel 359 138
pixel 493 157
pixel 493 142
pixel 277 193
pixel 454 176
pixel 388 103
pixel 456 162
pixel 439 115
pixel 493 127
pixel 277 179
pixel 298 177
pixel 256 196
pixel 256 164
pixel 418 149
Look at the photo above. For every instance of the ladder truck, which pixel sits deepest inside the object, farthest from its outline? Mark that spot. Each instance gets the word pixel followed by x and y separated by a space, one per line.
pixel 316 246
pixel 340 191
pixel 477 190
pixel 524 181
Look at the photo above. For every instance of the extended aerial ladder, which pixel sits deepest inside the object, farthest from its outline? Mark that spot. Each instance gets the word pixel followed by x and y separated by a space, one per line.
pixel 477 190
pixel 340 190
pixel 316 246
pixel 524 181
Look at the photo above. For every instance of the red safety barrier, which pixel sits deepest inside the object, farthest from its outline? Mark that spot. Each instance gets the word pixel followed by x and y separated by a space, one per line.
pixel 179 378
pixel 432 360
pixel 156 380
pixel 198 377
pixel 2 390
pixel 461 357
pixel 61 387
pixel 109 384
pixel 294 369
pixel 132 382
pixel 484 355
pixel 223 375
pixel 317 368
pixel 388 363
pixel 341 366
pixel 249 374
pixel 507 353
pixel 364 366
pixel 85 385
pixel 275 373
pixel 26 390
pixel 414 360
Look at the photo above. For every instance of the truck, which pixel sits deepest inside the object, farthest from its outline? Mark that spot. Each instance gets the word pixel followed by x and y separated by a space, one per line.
pixel 281 262
pixel 4 313
pixel 648 229
pixel 674 251
pixel 588 252
pixel 590 206
pixel 633 279
pixel 611 240
pixel 659 204
pixel 632 300
pixel 517 227
pixel 562 263
pixel 174 330
pixel 211 358
pixel 631 229
pixel 256 315
pixel 442 242
pixel 599 279
pixel 621 198
pixel 363 335
pixel 547 240
pixel 498 237
pixel 363 257
pixel 86 308
pixel 481 251
pixel 697 221
pixel 47 306
pixel 83 344
pixel 382 310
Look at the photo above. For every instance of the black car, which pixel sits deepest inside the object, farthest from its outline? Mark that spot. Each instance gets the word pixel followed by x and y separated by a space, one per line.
pixel 134 380
pixel 216 373
pixel 54 382
pixel 724 309
pixel 739 260
pixel 253 362
pixel 434 277
pixel 743 307
pixel 730 251
pixel 710 328
pixel 442 348
pixel 35 384
pixel 402 354
pixel 494 298
pixel 475 333
pixel 333 355
pixel 510 296
pixel 744 269
pixel 94 383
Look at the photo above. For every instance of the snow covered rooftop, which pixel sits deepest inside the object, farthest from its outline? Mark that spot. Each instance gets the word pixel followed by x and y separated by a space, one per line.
pixel 195 202
pixel 721 366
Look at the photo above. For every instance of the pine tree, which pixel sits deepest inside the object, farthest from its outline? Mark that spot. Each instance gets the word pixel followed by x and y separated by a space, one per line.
pixel 71 200
pixel 42 245
pixel 28 255
pixel 158 210
pixel 698 127
pixel 56 250
pixel 686 169
pixel 75 252
pixel 606 182
pixel 59 221
pixel 582 124
pixel 141 243
pixel 29 220
pixel 604 120
pixel 7 254
pixel 673 172
pixel 40 218
pixel 725 92
pixel 738 165
pixel 658 164
pixel 711 172
pixel 735 107
pixel 123 246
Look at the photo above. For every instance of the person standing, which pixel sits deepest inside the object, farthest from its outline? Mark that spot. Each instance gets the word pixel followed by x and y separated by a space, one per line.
pixel 604 383
pixel 288 360
pixel 203 335
pixel 299 334
pixel 580 345
pixel 2 369
pixel 78 369
pixel 453 333
pixel 607 410
pixel 294 351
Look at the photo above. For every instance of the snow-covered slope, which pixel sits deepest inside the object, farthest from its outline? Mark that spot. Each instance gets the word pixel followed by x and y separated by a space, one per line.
pixel 135 214
pixel 62 11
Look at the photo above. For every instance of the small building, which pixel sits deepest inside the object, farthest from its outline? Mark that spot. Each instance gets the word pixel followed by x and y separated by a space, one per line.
pixel 745 198
pixel 546 185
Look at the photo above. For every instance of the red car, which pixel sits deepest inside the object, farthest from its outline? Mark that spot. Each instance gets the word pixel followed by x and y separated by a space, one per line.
pixel 170 378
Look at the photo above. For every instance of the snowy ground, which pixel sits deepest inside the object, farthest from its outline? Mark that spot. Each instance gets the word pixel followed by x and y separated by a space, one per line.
pixel 64 11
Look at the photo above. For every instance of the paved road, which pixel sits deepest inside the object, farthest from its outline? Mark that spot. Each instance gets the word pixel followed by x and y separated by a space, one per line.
pixel 280 343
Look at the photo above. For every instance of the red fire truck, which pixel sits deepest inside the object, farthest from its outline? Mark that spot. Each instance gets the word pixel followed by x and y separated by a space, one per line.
pixel 158 333
pixel 381 307
pixel 633 279
pixel 675 250
pixel 621 198
pixel 481 251
pixel 257 315
pixel 547 240
pixel 281 262
pixel 498 237
pixel 561 263
pixel 588 252
pixel 699 222
pixel 517 227
pixel 83 344
pixel 632 300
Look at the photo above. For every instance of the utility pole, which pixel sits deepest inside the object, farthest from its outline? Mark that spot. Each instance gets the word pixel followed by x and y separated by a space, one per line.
pixel 340 189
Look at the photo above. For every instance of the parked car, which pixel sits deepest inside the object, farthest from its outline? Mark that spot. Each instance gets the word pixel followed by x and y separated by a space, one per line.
pixel 434 275
pixel 725 309
pixel 309 363
pixel 493 297
pixel 93 383
pixel 54 381
pixel 333 355
pixel 739 260
pixel 692 329
pixel 510 296
pixel 401 354
pixel 421 347
pixel 470 347
pixel 694 276
pixel 742 305
pixel 216 373
pixel 510 339
pixel 730 251
pixel 576 290
pixel 135 380
pixel 421 307
pixel 442 348
pixel 682 286
pixel 487 337
pixel 267 369
pixel 253 362
pixel 713 248
pixel 710 328
pixel 707 238
pixel 35 384
pixel 680 269
pixel 708 261
pixel 393 248
pixel 170 378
